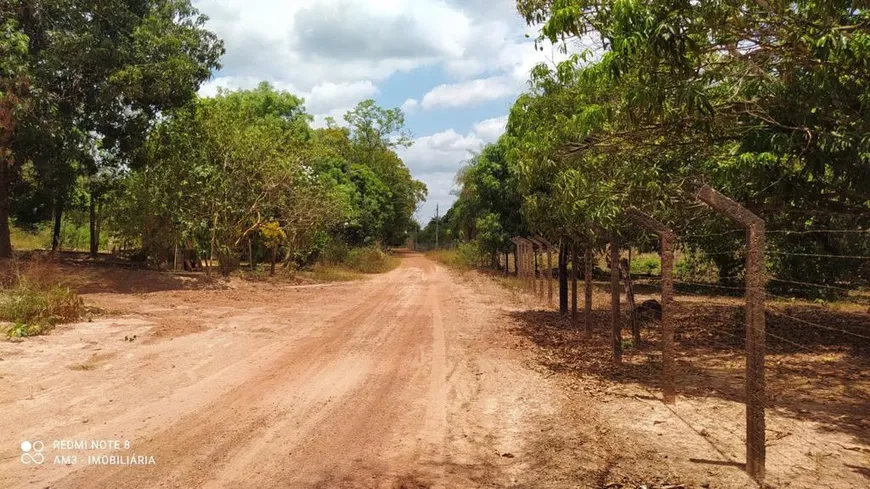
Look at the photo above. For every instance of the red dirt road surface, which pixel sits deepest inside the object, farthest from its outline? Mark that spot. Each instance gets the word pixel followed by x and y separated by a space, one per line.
pixel 410 379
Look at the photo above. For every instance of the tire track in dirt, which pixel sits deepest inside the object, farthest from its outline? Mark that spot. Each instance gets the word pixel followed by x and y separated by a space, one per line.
pixel 194 447
pixel 407 379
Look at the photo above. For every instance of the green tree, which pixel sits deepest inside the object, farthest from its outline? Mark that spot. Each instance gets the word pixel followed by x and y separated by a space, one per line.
pixel 100 73
pixel 375 134
pixel 765 100
pixel 14 88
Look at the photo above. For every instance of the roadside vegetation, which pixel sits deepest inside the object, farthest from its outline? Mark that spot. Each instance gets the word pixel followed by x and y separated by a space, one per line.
pixel 32 308
pixel 130 160
pixel 121 159
pixel 774 115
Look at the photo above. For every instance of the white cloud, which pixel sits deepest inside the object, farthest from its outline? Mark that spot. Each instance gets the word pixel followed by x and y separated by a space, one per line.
pixel 436 158
pixel 490 130
pixel 470 93
pixel 329 95
pixel 324 100
pixel 306 42
pixel 410 106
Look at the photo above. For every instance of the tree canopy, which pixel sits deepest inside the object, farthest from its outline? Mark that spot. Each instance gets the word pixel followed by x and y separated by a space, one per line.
pixel 766 101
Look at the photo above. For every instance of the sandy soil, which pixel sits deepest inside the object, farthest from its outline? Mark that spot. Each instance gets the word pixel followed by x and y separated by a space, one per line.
pixel 416 378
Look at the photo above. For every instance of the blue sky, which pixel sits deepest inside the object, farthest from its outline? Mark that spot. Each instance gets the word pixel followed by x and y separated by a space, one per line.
pixel 455 67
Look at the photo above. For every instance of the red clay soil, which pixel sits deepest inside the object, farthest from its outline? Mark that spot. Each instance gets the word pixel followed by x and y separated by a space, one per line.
pixel 421 377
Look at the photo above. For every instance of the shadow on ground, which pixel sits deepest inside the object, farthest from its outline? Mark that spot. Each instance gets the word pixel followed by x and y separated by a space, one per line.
pixel 818 363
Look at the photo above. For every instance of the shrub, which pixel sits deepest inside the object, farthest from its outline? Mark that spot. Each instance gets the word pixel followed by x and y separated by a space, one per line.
pixel 335 252
pixel 464 256
pixel 370 259
pixel 694 267
pixel 646 265
pixel 35 308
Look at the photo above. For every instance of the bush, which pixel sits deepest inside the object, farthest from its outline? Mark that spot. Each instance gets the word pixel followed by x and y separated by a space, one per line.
pixel 464 256
pixel 694 267
pixel 647 264
pixel 370 259
pixel 35 308
pixel 335 252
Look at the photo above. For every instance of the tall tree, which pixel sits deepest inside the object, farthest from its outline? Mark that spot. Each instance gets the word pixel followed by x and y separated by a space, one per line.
pixel 101 71
pixel 14 85
pixel 375 135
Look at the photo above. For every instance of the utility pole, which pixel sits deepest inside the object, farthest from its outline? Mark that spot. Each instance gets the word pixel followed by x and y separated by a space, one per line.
pixel 437 223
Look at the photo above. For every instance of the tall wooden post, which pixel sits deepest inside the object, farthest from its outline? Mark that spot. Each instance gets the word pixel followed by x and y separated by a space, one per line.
pixel 518 257
pixel 574 266
pixel 587 286
pixel 615 316
pixel 563 277
pixel 528 251
pixel 668 241
pixel 550 276
pixel 544 247
pixel 530 264
pixel 755 327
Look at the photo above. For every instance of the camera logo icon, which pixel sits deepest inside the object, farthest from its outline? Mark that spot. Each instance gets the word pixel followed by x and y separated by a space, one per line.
pixel 31 453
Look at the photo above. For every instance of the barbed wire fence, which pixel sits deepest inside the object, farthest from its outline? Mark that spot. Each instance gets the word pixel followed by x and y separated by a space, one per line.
pixel 817 387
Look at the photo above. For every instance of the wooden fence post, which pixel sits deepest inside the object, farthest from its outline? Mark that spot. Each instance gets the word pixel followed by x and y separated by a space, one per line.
pixel 518 257
pixel 546 275
pixel 530 268
pixel 755 327
pixel 563 277
pixel 574 265
pixel 587 302
pixel 668 240
pixel 550 276
pixel 615 315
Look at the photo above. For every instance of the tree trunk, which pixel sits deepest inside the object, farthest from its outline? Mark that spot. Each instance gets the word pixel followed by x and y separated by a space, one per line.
pixel 58 214
pixel 5 241
pixel 274 258
pixel 251 254
pixel 563 278
pixel 94 227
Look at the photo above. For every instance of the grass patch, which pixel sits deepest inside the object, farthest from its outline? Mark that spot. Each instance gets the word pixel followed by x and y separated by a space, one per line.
pixel 464 257
pixel 34 308
pixel 23 239
pixel 371 259
pixel 334 273
pixel 646 264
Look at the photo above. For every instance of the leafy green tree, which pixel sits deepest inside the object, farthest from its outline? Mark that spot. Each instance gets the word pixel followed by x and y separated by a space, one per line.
pixel 489 204
pixel 14 88
pixel 375 134
pixel 765 100
pixel 100 73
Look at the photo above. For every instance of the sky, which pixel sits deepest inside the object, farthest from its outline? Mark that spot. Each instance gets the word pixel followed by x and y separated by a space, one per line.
pixel 455 67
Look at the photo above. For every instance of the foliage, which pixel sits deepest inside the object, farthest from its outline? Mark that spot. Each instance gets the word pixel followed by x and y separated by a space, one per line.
pixel 765 101
pixel 487 211
pixel 35 308
pixel 371 259
pixel 465 256
pixel 99 74
pixel 646 265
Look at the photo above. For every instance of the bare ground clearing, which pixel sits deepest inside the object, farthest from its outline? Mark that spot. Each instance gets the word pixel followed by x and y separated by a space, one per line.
pixel 421 377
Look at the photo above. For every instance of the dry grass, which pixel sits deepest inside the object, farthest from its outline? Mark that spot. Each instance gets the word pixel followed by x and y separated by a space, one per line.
pixel 370 260
pixel 333 273
pixel 34 299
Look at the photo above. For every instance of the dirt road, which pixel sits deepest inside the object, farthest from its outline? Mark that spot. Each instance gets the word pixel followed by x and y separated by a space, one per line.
pixel 407 379
pixel 394 381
